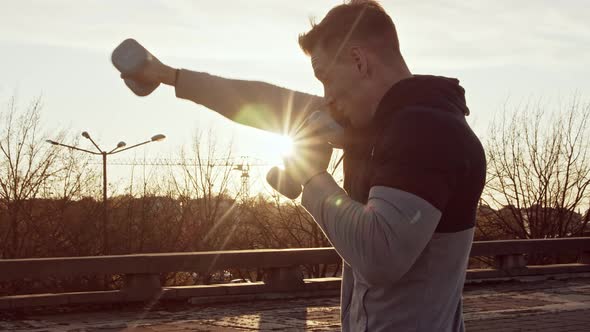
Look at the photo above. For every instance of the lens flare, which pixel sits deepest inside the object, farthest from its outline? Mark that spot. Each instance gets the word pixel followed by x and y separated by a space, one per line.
pixel 284 145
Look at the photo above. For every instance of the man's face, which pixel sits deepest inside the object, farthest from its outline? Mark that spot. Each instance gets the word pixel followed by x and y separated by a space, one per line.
pixel 344 86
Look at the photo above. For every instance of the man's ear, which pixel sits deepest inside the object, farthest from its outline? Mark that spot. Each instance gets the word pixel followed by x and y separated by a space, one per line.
pixel 359 57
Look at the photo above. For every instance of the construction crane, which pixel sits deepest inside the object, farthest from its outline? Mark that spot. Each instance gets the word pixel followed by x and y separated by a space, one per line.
pixel 244 167
pixel 241 164
pixel 221 162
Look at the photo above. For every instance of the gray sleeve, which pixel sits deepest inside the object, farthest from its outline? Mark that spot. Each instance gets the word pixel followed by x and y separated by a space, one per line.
pixel 253 103
pixel 380 240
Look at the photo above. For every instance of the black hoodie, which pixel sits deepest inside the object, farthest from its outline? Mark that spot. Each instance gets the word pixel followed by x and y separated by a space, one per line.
pixel 419 142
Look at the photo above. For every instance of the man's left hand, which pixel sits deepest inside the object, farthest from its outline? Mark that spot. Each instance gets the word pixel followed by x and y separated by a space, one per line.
pixel 311 155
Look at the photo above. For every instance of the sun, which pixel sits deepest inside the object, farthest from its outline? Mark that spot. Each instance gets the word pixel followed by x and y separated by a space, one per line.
pixel 282 146
pixel 276 148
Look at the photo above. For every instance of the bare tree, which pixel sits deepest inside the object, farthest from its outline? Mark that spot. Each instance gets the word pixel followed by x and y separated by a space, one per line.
pixel 38 184
pixel 205 188
pixel 538 173
pixel 25 166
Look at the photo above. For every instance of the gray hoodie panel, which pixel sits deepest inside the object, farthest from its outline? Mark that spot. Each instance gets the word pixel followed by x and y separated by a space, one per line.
pixel 398 274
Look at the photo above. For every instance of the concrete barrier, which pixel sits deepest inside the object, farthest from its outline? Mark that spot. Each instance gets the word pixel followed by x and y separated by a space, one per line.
pixel 282 271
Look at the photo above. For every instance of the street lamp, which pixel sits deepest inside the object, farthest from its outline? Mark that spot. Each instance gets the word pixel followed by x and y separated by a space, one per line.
pixel 121 146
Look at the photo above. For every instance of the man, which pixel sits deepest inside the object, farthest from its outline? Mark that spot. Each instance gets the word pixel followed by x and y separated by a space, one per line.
pixel 414 170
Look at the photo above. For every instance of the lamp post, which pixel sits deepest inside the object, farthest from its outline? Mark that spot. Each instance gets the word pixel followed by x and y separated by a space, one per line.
pixel 121 146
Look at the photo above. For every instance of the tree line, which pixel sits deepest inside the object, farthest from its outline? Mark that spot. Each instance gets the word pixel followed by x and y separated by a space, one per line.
pixel 50 206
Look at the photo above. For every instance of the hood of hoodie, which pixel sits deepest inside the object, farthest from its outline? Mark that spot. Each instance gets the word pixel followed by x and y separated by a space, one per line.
pixel 437 92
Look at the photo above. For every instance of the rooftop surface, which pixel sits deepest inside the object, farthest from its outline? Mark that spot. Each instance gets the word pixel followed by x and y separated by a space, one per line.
pixel 561 304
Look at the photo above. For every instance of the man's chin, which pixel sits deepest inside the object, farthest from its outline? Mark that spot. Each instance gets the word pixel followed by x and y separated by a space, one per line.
pixel 359 124
pixel 342 120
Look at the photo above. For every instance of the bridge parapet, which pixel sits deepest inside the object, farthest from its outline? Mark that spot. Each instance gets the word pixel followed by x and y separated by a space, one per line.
pixel 282 271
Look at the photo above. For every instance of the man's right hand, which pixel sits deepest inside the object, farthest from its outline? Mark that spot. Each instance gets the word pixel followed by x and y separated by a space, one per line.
pixel 154 72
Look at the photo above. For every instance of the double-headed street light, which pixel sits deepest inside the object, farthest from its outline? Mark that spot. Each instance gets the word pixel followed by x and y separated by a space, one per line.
pixel 121 146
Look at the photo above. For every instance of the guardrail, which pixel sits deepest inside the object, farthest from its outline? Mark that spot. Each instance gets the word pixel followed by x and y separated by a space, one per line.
pixel 282 271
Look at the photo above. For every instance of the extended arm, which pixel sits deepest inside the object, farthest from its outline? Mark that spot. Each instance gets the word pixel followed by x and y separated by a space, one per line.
pixel 252 103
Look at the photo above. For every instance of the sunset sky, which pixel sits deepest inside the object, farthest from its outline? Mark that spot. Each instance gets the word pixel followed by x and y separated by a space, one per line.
pixel 504 52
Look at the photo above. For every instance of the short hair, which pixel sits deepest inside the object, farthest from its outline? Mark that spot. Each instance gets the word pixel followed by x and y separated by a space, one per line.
pixel 362 21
